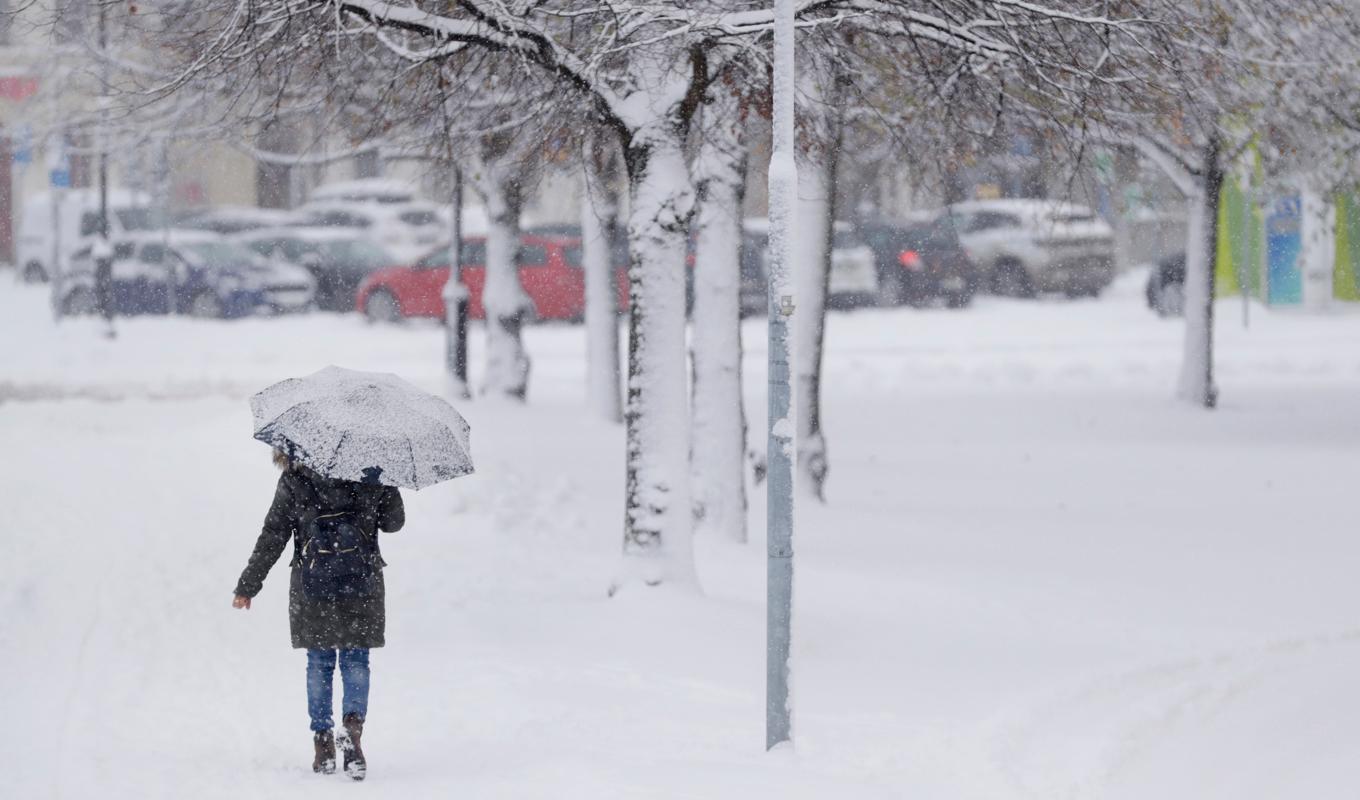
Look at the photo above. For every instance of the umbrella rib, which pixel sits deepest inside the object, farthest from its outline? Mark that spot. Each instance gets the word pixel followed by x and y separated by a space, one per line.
pixel 415 477
pixel 335 457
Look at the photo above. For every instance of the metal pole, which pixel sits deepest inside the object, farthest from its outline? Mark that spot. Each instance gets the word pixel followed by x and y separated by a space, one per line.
pixel 780 444
pixel 456 297
pixel 103 251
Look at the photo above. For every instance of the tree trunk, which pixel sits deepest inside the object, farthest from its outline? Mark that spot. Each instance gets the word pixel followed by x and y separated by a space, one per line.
pixel 815 217
pixel 599 229
pixel 718 437
pixel 657 524
pixel 506 303
pixel 1197 366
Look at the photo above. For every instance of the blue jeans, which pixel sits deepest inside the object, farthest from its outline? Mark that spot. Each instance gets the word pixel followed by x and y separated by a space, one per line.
pixel 320 680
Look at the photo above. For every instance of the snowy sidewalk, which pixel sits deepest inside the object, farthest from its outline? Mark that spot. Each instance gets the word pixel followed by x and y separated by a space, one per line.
pixel 1036 577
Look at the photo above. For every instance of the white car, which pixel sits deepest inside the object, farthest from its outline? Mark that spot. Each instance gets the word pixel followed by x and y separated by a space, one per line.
pixel 382 191
pixel 56 226
pixel 227 220
pixel 1022 247
pixel 185 271
pixel 406 230
pixel 854 272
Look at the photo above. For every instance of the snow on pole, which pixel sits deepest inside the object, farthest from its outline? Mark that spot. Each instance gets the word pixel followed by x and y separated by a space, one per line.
pixel 599 211
pixel 779 581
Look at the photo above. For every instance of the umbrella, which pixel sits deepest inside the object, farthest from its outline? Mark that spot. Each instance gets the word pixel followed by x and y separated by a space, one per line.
pixel 369 427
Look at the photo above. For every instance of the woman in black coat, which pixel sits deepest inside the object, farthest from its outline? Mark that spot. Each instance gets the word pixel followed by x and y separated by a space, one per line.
pixel 345 626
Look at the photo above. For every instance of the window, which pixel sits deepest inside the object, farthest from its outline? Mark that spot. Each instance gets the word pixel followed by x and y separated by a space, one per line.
pixel 991 220
pixel 136 219
pixel 439 259
pixel 474 254
pixel 532 255
pixel 89 223
pixel 122 250
pixel 572 255
pixel 418 218
pixel 153 253
pixel 341 219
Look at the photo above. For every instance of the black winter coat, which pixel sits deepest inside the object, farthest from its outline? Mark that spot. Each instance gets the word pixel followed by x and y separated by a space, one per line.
pixel 302 496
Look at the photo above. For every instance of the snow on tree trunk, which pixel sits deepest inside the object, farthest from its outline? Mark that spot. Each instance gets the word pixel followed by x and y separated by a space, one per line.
pixel 718 437
pixel 814 228
pixel 599 226
pixel 811 261
pixel 1197 366
pixel 657 527
pixel 503 297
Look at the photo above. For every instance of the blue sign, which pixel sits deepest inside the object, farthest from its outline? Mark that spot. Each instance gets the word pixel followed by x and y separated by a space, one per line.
pixel 23 146
pixel 60 178
pixel 1284 243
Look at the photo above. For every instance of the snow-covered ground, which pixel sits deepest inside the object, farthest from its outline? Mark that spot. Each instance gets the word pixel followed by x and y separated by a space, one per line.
pixel 1036 575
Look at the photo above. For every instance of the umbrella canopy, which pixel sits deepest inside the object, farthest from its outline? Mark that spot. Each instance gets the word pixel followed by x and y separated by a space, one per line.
pixel 369 427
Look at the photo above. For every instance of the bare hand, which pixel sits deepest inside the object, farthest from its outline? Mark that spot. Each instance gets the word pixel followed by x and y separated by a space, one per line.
pixel 241 601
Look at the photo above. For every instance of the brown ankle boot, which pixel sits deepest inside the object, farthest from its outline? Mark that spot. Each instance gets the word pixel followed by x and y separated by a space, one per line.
pixel 324 762
pixel 352 746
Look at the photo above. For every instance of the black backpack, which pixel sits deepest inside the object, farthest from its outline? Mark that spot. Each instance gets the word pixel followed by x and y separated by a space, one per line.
pixel 337 559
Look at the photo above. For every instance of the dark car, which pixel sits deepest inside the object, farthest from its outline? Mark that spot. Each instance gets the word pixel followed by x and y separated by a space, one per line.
pixel 1166 286
pixel 921 261
pixel 338 259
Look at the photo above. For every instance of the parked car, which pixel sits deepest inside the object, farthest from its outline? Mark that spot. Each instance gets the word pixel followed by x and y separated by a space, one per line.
pixel 190 272
pixel 1027 246
pixel 921 260
pixel 227 220
pixel 338 259
pixel 406 230
pixel 1166 286
pixel 383 191
pixel 56 226
pixel 549 270
pixel 854 276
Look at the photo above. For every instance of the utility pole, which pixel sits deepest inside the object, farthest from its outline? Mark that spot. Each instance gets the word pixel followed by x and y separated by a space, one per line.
pixel 456 298
pixel 780 443
pixel 103 250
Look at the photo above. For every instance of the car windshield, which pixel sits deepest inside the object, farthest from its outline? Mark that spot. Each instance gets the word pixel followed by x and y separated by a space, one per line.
pixel 418 218
pixel 222 254
pixel 138 219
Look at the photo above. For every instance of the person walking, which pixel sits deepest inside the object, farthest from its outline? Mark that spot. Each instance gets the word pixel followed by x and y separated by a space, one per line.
pixel 345 440
pixel 336 592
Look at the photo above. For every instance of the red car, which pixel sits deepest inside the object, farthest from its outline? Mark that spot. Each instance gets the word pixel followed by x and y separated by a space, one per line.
pixel 549 270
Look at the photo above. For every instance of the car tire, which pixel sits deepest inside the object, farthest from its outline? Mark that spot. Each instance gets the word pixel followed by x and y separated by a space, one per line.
pixel 1011 279
pixel 34 273
pixel 1168 299
pixel 80 302
pixel 381 307
pixel 205 305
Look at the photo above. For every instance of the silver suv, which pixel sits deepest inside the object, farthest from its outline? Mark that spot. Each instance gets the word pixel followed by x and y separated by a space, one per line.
pixel 1022 247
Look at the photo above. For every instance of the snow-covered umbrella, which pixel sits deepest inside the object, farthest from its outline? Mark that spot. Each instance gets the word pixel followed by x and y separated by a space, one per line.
pixel 369 427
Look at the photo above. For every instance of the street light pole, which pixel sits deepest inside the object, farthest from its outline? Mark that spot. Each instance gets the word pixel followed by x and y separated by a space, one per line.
pixel 103 250
pixel 456 298
pixel 780 444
